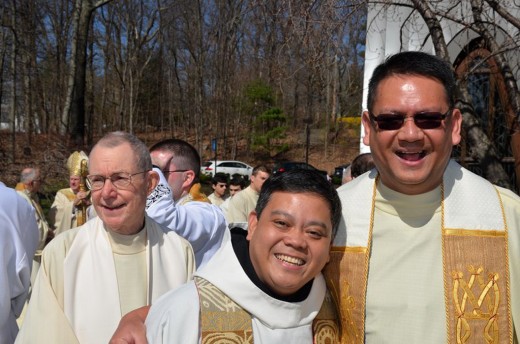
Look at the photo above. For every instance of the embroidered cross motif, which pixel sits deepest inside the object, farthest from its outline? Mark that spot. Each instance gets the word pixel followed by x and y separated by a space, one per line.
pixel 476 300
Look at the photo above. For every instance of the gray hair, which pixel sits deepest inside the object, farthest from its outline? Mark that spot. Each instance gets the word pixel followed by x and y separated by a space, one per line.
pixel 117 138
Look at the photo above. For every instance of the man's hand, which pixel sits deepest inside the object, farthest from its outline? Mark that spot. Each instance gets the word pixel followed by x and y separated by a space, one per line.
pixel 82 197
pixel 131 329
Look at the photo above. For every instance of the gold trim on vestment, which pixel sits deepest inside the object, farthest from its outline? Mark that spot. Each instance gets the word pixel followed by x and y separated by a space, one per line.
pixel 347 280
pixel 224 321
pixel 357 249
pixel 476 283
pixel 476 232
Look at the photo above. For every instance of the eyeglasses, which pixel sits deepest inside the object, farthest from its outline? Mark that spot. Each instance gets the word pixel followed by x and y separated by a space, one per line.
pixel 173 171
pixel 423 120
pixel 120 180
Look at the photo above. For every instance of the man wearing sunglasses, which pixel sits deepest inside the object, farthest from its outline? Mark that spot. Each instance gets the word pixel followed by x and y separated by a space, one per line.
pixel 92 275
pixel 428 252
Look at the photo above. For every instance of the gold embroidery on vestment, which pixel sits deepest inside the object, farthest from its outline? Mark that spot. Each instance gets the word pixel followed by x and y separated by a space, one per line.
pixel 476 283
pixel 480 304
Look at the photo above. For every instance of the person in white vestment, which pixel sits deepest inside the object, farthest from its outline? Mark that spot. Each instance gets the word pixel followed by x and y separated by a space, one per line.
pixel 429 250
pixel 174 203
pixel 118 261
pixel 69 203
pixel 28 188
pixel 177 204
pixel 219 183
pixel 241 205
pixel 272 272
pixel 18 238
pixel 236 184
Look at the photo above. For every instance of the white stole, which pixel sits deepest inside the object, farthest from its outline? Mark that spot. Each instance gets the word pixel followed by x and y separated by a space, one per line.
pixel 471 202
pixel 91 294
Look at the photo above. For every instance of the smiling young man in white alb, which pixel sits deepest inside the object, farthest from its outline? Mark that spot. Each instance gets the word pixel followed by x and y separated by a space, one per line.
pixel 264 285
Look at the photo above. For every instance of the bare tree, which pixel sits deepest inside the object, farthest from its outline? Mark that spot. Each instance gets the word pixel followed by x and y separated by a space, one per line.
pixel 75 101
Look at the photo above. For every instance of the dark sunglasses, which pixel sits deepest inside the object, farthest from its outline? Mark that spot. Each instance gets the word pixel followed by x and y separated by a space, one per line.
pixel 423 120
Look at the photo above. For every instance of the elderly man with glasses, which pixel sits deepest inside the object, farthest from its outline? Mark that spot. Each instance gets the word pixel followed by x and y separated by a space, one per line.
pixel 121 260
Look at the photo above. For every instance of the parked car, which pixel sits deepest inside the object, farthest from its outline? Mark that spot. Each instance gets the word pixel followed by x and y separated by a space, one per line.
pixel 280 167
pixel 230 167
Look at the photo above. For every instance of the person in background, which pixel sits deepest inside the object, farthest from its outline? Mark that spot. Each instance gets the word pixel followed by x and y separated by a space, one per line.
pixel 70 204
pixel 180 164
pixel 19 238
pixel 219 183
pixel 245 201
pixel 361 164
pixel 347 175
pixel 171 203
pixel 28 188
pixel 427 251
pixel 120 260
pixel 236 184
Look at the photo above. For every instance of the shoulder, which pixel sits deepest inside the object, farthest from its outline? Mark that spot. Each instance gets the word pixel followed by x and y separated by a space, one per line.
pixel 176 312
pixel 60 245
pixel 357 185
pixel 508 195
pixel 169 302
pixel 511 204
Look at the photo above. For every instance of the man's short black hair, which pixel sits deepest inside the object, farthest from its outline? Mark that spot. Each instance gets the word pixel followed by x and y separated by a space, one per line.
pixel 237 181
pixel 413 63
pixel 219 178
pixel 302 181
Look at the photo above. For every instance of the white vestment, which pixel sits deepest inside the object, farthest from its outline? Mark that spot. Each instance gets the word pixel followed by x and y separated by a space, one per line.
pixel 18 241
pixel 241 205
pixel 405 300
pixel 174 318
pixel 90 278
pixel 201 223
pixel 62 214
pixel 214 199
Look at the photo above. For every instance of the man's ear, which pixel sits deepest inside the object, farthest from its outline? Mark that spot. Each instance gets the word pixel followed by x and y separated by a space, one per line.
pixel 190 176
pixel 153 180
pixel 252 223
pixel 367 126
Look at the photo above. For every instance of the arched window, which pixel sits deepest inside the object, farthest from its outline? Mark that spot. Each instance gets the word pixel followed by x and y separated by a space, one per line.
pixel 486 86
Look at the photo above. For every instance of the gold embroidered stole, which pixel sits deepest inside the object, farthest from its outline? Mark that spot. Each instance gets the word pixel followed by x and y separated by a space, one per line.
pixel 475 264
pixel 476 284
pixel 223 321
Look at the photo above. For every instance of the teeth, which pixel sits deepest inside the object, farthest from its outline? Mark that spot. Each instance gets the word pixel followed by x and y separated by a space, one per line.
pixel 290 260
pixel 411 156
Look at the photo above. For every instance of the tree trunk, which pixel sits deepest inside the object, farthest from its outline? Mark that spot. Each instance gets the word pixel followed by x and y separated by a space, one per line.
pixel 75 102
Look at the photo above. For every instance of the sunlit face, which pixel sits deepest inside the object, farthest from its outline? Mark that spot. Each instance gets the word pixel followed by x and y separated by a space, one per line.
pixel 258 180
pixel 233 189
pixel 179 180
pixel 74 183
pixel 219 189
pixel 289 244
pixel 121 210
pixel 411 160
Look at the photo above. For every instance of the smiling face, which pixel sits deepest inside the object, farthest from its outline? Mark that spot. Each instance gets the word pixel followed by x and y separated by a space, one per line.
pixel 121 210
pixel 411 160
pixel 289 244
